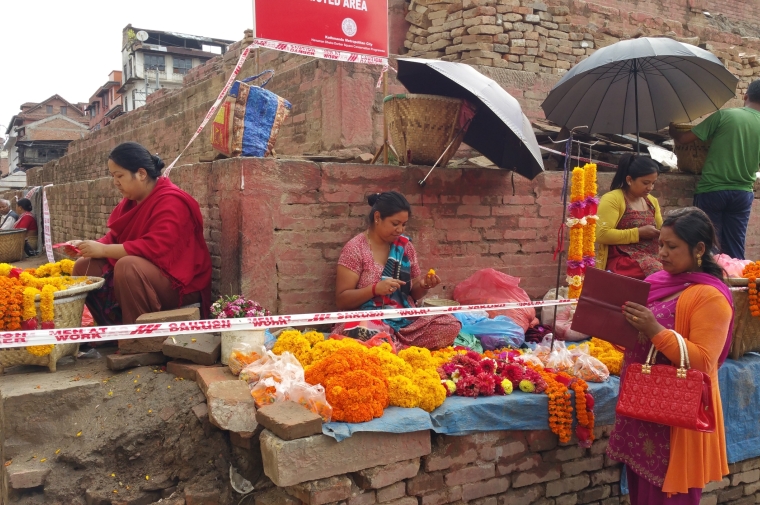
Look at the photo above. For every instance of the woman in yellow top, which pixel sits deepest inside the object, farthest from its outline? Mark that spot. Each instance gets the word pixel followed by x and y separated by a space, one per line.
pixel 629 220
pixel 666 465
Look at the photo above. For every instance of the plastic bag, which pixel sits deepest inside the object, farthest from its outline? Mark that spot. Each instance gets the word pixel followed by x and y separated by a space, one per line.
pixel 492 286
pixel 242 355
pixel 469 341
pixel 734 268
pixel 543 349
pixel 564 318
pixel 559 359
pixel 311 397
pixel 530 358
pixel 496 333
pixel 590 369
pixel 87 319
pixel 284 367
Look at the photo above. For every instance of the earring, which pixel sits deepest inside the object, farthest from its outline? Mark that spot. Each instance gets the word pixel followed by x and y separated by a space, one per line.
pixel 699 260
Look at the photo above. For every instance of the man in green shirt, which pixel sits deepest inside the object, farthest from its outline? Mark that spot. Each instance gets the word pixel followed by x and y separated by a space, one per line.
pixel 725 190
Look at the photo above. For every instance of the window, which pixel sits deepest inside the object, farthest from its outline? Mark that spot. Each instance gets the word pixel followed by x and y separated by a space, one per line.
pixel 49 109
pixel 182 65
pixel 154 61
pixel 64 110
pixel 105 101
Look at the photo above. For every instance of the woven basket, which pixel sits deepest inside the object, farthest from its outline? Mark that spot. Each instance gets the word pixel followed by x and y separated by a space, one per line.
pixel 12 245
pixel 422 126
pixel 439 302
pixel 746 336
pixel 691 156
pixel 69 305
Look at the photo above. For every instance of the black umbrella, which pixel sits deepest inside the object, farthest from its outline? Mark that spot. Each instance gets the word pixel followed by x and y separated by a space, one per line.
pixel 640 84
pixel 499 131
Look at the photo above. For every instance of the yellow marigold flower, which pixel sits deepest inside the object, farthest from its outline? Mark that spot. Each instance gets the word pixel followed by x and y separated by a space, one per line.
pixel 40 350
pixel 403 392
pixel 433 393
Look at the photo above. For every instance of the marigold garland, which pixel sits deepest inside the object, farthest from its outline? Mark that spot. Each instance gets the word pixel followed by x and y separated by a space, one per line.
pixel 560 410
pixel 752 272
pixel 11 301
pixel 584 411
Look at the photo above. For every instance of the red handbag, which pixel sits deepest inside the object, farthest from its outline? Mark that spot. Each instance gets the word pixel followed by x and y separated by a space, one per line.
pixel 663 394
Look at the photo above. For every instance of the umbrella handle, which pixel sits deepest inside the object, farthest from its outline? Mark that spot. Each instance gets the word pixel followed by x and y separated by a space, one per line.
pixel 461 132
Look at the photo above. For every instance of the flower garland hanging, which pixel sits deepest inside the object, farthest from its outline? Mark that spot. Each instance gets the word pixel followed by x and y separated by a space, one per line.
pixel 560 410
pixel 591 204
pixel 752 272
pixel 11 302
pixel 576 223
pixel 584 411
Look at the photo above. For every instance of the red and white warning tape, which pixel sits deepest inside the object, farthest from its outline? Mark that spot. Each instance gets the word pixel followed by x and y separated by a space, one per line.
pixel 100 333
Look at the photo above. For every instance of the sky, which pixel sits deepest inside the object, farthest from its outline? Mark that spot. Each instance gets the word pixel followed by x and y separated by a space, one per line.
pixel 68 47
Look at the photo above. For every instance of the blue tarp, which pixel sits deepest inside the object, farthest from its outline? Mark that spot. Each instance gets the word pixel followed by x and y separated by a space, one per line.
pixel 459 415
pixel 521 411
pixel 740 395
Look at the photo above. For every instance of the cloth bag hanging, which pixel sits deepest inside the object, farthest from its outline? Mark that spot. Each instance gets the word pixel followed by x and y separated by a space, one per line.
pixel 663 394
pixel 249 119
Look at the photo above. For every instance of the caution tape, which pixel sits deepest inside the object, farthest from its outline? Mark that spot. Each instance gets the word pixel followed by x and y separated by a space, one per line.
pixel 101 333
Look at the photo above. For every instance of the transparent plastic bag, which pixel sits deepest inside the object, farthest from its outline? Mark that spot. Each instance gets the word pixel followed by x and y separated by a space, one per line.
pixel 560 359
pixel 242 355
pixel 311 397
pixel 530 358
pixel 284 367
pixel 590 369
pixel 579 350
pixel 543 349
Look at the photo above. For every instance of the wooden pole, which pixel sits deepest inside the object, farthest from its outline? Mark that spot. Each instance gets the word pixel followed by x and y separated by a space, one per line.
pixel 385 122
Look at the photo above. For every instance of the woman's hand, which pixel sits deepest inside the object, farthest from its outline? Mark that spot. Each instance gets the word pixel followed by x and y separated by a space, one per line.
pixel 430 281
pixel 642 319
pixel 648 232
pixel 74 243
pixel 387 287
pixel 90 248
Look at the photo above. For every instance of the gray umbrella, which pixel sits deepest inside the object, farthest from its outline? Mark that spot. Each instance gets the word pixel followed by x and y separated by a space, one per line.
pixel 499 131
pixel 640 84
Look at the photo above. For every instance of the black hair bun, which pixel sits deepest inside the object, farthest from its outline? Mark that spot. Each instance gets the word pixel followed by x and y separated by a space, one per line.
pixel 157 162
pixel 372 199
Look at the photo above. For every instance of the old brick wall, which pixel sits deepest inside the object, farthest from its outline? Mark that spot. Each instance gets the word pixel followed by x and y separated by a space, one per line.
pixel 278 239
pixel 491 468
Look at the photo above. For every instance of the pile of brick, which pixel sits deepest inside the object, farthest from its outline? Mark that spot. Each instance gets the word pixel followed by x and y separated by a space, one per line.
pixel 499 33
pixel 738 62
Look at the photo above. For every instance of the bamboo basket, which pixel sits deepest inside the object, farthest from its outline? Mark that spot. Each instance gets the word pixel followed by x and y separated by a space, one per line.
pixel 691 156
pixel 12 245
pixel 69 305
pixel 439 302
pixel 421 127
pixel 746 334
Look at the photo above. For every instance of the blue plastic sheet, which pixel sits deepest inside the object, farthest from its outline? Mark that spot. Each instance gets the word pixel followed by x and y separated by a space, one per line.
pixel 493 333
pixel 740 395
pixel 460 416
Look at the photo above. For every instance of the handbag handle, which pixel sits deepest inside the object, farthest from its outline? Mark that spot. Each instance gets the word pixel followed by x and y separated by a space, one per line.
pixel 685 362
pixel 263 85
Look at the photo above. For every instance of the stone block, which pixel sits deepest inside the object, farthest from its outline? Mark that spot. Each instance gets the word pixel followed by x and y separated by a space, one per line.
pixel 277 497
pixel 291 462
pixel 392 492
pixel 425 483
pixel 490 487
pixel 319 492
pixel 202 348
pixel 745 477
pixel 155 344
pixel 242 440
pixel 594 494
pixel 21 477
pixel 231 406
pixel 118 362
pixel 443 496
pixel 206 376
pixel 469 474
pixel 363 498
pixel 385 475
pixel 544 473
pixel 289 420
pixel 183 369
pixel 572 468
pixel 607 476
pixel 522 496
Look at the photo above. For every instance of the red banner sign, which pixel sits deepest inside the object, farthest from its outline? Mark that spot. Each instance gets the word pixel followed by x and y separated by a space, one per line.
pixel 356 26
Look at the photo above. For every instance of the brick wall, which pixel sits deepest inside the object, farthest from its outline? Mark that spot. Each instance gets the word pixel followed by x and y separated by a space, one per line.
pixel 282 234
pixel 491 468
pixel 551 37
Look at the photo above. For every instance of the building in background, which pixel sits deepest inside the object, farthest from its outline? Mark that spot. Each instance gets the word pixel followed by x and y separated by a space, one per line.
pixel 3 162
pixel 41 132
pixel 105 104
pixel 153 60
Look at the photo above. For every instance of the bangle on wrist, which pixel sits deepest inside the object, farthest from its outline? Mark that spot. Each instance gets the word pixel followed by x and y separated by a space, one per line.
pixel 373 290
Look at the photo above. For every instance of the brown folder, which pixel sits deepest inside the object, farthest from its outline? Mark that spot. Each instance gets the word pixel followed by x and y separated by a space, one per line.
pixel 600 307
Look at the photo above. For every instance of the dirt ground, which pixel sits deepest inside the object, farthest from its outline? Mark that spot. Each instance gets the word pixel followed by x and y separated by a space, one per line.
pixel 133 437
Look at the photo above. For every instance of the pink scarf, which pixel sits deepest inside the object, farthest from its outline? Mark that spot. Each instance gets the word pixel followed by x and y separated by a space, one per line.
pixel 665 285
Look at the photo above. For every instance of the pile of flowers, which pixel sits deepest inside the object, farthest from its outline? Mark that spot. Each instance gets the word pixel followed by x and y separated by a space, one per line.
pixel 752 272
pixel 235 307
pixel 406 379
pixel 472 374
pixel 19 289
